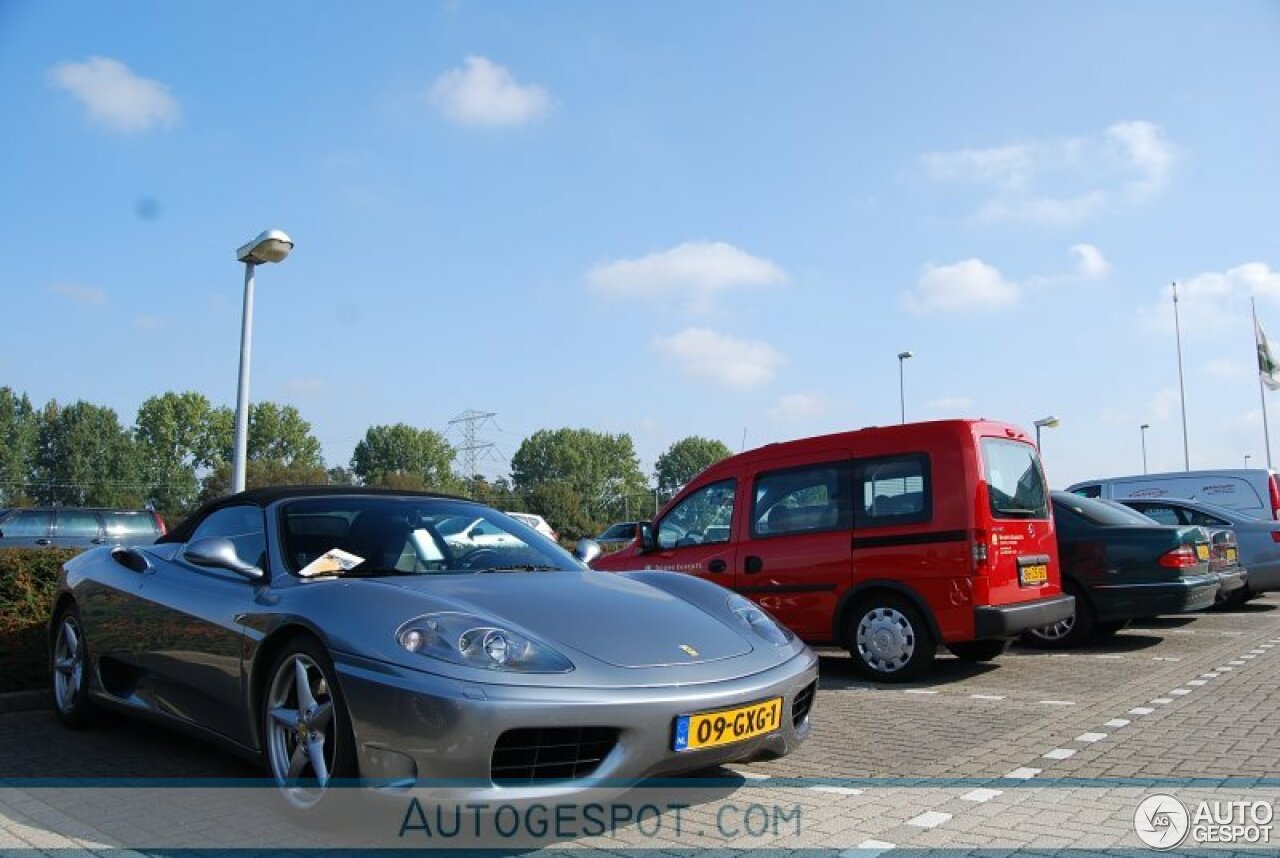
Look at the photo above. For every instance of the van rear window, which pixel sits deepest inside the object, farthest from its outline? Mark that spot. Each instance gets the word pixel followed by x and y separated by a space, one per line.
pixel 1015 484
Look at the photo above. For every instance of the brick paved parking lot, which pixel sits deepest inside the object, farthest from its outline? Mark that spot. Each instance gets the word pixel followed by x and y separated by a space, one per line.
pixel 1041 750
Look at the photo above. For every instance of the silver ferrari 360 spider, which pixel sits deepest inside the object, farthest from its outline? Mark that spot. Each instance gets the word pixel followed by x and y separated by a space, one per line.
pixel 338 633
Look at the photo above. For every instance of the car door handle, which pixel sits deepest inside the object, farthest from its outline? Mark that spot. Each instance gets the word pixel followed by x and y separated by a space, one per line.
pixel 44 541
pixel 717 566
pixel 752 565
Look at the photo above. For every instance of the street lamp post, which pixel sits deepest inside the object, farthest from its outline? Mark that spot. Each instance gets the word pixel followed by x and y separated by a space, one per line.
pixel 1247 457
pixel 902 390
pixel 270 246
pixel 1045 422
pixel 1143 431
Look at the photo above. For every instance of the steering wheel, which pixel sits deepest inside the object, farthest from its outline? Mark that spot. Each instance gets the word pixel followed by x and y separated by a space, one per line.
pixel 478 558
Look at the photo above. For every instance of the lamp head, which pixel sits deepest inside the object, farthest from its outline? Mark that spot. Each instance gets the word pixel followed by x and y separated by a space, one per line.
pixel 905 355
pixel 270 246
pixel 1048 422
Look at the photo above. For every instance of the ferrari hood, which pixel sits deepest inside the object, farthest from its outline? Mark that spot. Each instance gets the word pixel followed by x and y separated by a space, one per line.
pixel 618 621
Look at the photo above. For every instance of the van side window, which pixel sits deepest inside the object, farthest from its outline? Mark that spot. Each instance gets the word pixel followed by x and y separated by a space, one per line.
pixel 802 500
pixel 1093 491
pixel 702 518
pixel 1160 514
pixel 892 490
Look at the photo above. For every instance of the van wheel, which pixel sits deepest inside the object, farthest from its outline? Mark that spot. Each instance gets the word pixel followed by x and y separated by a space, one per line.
pixel 1064 634
pixel 889 639
pixel 978 651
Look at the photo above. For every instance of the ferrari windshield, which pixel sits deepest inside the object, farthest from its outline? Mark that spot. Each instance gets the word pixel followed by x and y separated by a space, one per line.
pixel 363 535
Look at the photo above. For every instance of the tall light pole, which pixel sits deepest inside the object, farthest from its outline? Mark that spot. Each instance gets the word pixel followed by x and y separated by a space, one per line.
pixel 1247 457
pixel 270 246
pixel 1182 390
pixel 902 390
pixel 1042 423
pixel 1143 430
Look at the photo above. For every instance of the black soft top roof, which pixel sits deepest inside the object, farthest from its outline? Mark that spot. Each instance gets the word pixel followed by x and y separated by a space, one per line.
pixel 264 497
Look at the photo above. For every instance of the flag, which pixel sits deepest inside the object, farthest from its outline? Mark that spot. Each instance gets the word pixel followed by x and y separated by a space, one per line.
pixel 1268 369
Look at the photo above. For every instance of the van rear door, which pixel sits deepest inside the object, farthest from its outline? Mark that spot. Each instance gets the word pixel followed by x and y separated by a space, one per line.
pixel 1014 554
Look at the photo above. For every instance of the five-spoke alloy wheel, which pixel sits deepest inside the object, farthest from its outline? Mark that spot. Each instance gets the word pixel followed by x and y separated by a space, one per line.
pixel 69 660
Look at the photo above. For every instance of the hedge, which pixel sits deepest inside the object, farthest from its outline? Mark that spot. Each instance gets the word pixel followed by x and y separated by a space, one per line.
pixel 28 578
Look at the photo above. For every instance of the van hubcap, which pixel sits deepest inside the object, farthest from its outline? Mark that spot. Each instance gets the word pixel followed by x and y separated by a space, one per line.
pixel 886 641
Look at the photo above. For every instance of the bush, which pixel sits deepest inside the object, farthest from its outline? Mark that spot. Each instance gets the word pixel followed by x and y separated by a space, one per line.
pixel 28 578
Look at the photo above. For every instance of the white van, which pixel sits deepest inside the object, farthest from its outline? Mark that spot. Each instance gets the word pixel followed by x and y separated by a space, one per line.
pixel 1253 491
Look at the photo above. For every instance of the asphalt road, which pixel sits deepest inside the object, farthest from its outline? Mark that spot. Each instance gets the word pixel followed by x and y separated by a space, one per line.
pixel 1039 750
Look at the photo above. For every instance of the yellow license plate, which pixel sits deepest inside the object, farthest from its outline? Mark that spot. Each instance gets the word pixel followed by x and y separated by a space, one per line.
pixel 712 729
pixel 1033 575
pixel 1202 551
pixel 1231 555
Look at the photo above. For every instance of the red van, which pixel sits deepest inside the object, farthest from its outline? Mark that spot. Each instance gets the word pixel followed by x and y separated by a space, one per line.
pixel 887 541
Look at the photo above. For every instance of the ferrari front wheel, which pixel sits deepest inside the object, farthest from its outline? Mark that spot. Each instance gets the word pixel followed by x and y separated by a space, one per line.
pixel 69 660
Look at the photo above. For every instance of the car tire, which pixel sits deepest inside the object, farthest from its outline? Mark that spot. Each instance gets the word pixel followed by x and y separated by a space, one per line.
pixel 979 651
pixel 889 639
pixel 307 741
pixel 69 666
pixel 1235 599
pixel 1065 634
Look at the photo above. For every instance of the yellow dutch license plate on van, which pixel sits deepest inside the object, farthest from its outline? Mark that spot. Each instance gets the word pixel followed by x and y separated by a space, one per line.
pixel 1033 575
pixel 712 729
pixel 1232 554
pixel 1202 551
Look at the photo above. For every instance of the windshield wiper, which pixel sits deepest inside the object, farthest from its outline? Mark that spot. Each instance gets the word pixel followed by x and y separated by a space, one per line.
pixel 374 571
pixel 520 567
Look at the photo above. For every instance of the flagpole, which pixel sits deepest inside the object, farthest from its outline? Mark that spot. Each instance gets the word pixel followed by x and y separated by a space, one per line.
pixel 1262 391
pixel 1182 390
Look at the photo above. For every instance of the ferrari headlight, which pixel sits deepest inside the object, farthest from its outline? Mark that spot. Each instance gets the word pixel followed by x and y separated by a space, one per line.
pixel 751 616
pixel 475 642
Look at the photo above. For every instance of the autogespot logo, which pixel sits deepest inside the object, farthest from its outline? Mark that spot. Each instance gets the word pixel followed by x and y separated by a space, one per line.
pixel 1161 821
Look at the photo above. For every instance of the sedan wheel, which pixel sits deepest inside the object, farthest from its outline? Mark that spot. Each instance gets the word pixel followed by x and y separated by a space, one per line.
pixel 68 656
pixel 889 641
pixel 308 742
pixel 1073 631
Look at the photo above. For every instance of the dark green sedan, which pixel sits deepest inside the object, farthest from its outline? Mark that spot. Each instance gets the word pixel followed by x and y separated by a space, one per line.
pixel 1121 567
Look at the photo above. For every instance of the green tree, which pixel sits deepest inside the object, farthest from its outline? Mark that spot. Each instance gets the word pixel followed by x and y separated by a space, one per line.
pixel 600 469
pixel 277 433
pixel 19 434
pixel 260 473
pixel 684 459
pixel 86 458
pixel 402 456
pixel 177 435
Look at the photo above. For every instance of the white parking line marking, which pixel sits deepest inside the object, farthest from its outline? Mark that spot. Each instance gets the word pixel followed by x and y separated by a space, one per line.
pixel 929 819
pixel 1161 701
pixel 1179 692
pixel 919 691
pixel 1108 656
pixel 1197 682
pixel 1237 663
pixel 1118 722
pixel 1090 737
pixel 868 849
pixel 987 696
pixel 1210 675
pixel 981 794
pixel 1258 651
pixel 1164 658
pixel 1060 754
pixel 1058 702
pixel 1141 710
pixel 1023 773
pixel 750 776
pixel 1224 669
pixel 1246 657
pixel 1266 646
pixel 837 790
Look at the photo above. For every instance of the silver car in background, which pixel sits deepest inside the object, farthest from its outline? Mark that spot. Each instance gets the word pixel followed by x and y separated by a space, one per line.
pixel 335 633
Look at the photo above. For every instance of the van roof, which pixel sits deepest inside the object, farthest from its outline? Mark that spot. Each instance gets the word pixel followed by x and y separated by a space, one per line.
pixel 1240 473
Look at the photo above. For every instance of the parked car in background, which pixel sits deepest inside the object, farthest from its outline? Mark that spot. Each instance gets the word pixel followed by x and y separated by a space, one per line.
pixel 1252 491
pixel 332 633
pixel 1121 568
pixel 1258 540
pixel 888 541
pixel 537 522
pixel 76 527
pixel 619 535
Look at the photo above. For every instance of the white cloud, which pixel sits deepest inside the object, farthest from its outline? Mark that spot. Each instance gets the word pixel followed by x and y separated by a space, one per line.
pixel 797 407
pixel 86 295
pixel 1217 301
pixel 719 358
pixel 116 97
pixel 697 272
pixel 960 287
pixel 484 93
pixel 1064 181
pixel 1090 263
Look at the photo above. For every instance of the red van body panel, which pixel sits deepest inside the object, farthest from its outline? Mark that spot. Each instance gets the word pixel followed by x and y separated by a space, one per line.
pixel 939 540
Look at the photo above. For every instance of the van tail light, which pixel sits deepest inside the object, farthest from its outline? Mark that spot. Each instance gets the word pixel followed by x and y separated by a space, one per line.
pixel 1182 557
pixel 1275 496
pixel 160 525
pixel 980 550
pixel 1275 536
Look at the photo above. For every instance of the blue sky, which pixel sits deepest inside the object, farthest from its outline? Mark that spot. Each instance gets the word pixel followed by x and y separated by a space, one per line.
pixel 664 219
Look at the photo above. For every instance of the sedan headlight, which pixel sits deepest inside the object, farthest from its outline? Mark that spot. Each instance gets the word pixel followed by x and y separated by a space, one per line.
pixel 475 642
pixel 753 617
